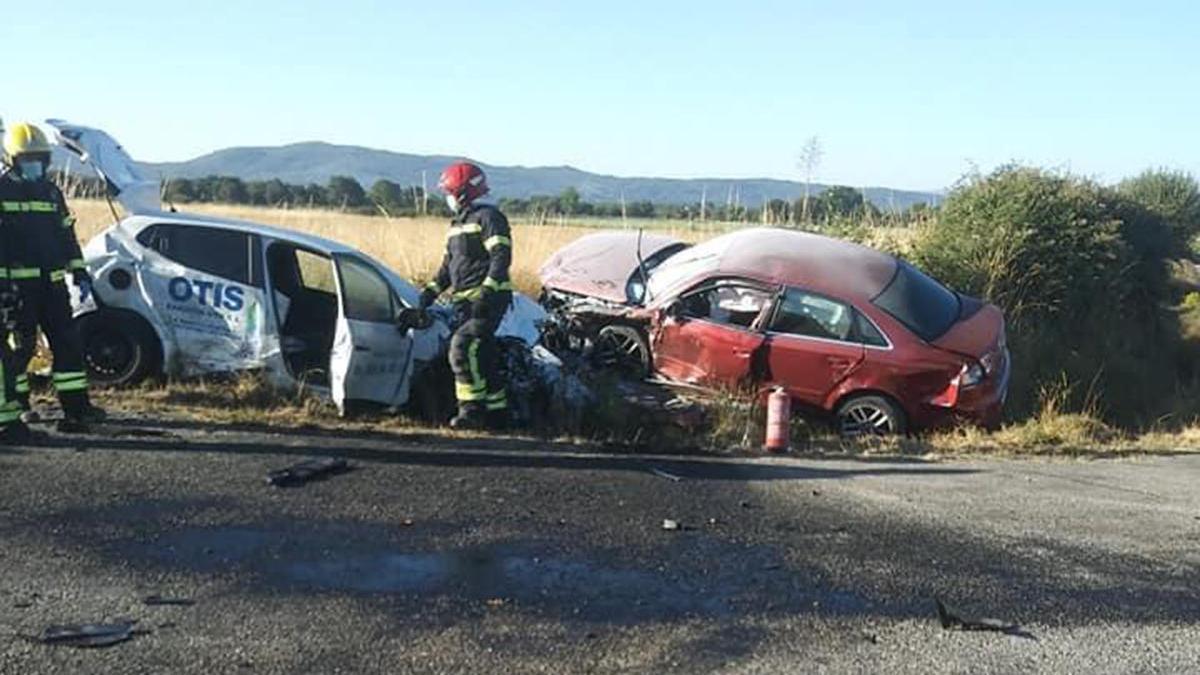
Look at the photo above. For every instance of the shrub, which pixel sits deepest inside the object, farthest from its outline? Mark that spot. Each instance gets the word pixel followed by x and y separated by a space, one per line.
pixel 1078 270
pixel 1173 197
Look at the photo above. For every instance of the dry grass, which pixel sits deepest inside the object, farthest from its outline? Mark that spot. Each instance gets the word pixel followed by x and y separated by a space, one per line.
pixel 411 246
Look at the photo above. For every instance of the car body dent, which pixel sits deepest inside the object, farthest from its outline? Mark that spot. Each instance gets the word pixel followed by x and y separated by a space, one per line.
pixel 819 373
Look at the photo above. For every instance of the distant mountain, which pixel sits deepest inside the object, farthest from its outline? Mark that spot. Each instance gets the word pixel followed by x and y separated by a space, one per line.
pixel 316 162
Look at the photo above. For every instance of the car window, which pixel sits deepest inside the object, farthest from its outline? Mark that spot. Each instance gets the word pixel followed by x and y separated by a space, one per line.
pixel 222 253
pixel 810 315
pixel 635 290
pixel 867 333
pixel 316 271
pixel 728 303
pixel 923 305
pixel 366 296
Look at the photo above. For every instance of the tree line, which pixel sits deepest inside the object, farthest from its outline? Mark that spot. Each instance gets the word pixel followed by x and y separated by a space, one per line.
pixel 389 198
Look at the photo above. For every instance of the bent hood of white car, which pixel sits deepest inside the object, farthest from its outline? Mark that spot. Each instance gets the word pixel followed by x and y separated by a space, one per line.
pixel 127 183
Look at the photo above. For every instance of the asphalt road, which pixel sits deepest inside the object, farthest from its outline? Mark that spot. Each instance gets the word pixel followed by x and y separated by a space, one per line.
pixel 499 557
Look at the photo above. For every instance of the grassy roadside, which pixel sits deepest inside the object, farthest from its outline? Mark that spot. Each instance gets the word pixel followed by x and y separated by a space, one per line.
pixel 732 430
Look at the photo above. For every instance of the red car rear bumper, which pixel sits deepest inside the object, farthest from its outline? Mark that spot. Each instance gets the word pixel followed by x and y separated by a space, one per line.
pixel 981 405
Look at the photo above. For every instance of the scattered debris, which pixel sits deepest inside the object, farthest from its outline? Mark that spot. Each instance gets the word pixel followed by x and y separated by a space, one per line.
pixel 873 638
pixel 496 602
pixel 670 525
pixel 663 474
pixel 160 601
pixel 745 504
pixel 90 635
pixel 816 493
pixel 313 469
pixel 952 620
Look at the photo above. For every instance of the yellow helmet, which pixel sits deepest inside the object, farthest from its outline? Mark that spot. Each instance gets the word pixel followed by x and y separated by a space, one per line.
pixel 24 139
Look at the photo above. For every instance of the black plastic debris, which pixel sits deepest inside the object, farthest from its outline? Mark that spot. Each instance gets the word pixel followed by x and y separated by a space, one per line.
pixel 952 620
pixel 160 601
pixel 89 635
pixel 310 470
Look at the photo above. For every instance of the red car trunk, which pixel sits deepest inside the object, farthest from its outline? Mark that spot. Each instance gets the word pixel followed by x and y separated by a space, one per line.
pixel 979 337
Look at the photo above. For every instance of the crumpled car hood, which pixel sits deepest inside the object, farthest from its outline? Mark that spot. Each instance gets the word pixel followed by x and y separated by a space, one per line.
pixel 600 265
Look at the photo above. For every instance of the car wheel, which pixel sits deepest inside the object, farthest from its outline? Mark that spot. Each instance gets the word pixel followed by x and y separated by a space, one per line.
pixel 119 348
pixel 625 349
pixel 870 416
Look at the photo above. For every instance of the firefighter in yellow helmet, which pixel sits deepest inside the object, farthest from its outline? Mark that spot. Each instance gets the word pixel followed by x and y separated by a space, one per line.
pixel 12 429
pixel 39 252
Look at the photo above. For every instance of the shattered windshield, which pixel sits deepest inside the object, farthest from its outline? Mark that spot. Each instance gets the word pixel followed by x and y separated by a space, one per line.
pixel 918 301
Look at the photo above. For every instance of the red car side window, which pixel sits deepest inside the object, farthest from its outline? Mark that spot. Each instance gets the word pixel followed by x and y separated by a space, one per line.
pixel 802 313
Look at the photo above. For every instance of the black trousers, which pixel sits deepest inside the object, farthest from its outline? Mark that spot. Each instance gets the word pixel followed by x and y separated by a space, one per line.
pixel 46 304
pixel 10 403
pixel 474 357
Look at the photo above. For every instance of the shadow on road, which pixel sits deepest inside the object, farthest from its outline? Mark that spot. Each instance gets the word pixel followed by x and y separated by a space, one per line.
pixel 467 453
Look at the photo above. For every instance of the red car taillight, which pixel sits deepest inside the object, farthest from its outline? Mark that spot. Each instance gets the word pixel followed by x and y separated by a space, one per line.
pixel 970 375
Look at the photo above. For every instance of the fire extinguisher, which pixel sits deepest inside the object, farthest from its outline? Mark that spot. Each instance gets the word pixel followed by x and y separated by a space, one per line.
pixel 779 421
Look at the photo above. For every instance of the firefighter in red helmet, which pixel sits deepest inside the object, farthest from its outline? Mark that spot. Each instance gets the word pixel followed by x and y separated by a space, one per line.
pixel 475 270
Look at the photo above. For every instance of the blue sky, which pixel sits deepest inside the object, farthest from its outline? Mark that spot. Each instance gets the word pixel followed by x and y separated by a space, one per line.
pixel 907 95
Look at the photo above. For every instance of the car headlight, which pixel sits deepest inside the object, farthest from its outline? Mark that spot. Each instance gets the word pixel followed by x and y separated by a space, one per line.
pixel 972 374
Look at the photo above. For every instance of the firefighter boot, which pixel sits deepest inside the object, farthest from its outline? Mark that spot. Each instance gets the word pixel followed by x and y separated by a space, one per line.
pixel 470 416
pixel 79 413
pixel 15 433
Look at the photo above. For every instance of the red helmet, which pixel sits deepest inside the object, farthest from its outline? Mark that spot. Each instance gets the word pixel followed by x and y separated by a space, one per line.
pixel 465 181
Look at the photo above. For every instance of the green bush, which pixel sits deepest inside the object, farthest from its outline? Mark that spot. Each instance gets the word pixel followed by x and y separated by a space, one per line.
pixel 1173 197
pixel 1078 269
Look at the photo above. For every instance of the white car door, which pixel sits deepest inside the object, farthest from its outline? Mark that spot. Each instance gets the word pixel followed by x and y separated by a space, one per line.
pixel 371 360
pixel 206 285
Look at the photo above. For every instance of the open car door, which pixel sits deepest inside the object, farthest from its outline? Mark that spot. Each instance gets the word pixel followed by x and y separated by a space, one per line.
pixel 371 360
pixel 126 182
pixel 711 335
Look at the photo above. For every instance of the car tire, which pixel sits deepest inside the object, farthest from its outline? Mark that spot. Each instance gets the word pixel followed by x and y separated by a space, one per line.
pixel 625 349
pixel 119 348
pixel 870 415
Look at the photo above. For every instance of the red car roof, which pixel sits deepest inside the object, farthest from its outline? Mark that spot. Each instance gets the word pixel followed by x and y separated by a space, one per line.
pixel 822 264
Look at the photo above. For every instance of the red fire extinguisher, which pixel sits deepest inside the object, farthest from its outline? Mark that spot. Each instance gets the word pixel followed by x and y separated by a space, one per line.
pixel 779 421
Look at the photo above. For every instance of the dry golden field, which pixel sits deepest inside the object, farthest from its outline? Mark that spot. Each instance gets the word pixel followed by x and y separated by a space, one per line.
pixel 412 247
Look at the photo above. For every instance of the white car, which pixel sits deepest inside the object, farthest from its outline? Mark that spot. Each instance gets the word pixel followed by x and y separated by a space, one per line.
pixel 185 294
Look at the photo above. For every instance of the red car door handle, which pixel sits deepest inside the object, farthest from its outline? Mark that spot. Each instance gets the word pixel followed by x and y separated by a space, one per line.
pixel 838 362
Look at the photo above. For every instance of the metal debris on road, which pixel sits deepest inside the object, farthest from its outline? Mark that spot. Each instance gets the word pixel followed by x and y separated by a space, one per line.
pixel 670 525
pixel 89 635
pixel 663 474
pixel 310 470
pixel 952 620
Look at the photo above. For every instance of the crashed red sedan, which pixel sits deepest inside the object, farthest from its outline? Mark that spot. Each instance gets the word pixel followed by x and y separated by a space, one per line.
pixel 848 331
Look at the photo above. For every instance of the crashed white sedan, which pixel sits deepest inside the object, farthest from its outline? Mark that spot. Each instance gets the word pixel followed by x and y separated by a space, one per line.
pixel 185 294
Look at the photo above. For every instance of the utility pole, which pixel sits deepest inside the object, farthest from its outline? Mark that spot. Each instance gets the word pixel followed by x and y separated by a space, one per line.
pixel 424 194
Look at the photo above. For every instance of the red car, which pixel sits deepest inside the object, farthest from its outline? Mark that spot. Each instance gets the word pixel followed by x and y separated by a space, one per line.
pixel 849 331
